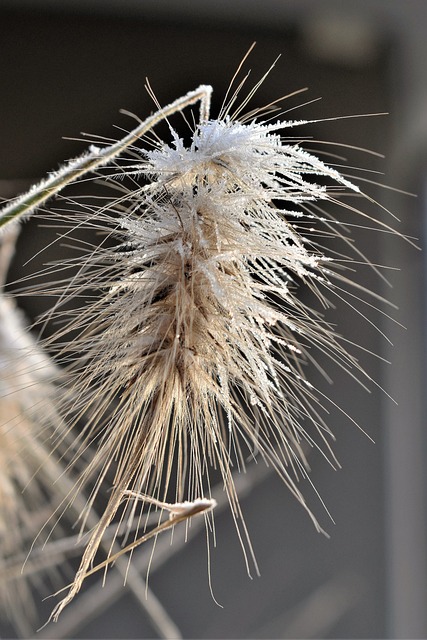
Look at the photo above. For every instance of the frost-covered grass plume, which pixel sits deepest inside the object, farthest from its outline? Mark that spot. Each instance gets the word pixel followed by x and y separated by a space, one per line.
pixel 192 354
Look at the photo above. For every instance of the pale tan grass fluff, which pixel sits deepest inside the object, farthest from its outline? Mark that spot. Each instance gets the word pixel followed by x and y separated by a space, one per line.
pixel 29 422
pixel 192 356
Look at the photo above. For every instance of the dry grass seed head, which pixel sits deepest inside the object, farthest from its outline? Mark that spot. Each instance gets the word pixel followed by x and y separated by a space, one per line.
pixel 195 350
pixel 29 422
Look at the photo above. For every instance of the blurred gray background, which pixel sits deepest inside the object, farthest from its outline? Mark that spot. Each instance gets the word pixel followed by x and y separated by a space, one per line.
pixel 70 65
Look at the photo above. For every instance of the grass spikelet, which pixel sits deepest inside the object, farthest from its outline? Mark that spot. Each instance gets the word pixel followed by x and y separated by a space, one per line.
pixel 193 354
pixel 28 419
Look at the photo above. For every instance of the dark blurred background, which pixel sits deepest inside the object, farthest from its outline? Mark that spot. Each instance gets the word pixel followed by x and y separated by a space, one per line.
pixel 70 65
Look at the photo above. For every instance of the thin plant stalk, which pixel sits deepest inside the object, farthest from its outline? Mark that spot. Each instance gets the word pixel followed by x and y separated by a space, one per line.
pixel 22 206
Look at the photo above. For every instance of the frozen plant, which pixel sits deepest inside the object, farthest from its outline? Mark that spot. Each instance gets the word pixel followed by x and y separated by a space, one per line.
pixel 193 354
